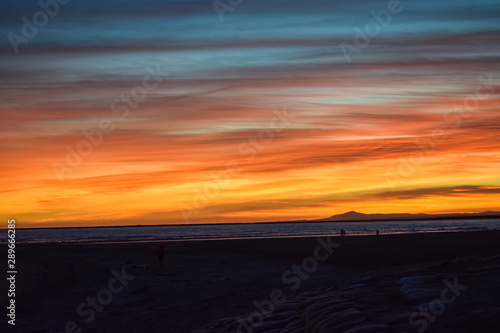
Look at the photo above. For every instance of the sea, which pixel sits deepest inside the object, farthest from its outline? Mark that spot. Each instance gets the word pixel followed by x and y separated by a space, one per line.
pixel 241 231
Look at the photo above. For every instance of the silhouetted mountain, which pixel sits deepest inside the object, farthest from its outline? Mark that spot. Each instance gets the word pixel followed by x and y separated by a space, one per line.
pixel 355 216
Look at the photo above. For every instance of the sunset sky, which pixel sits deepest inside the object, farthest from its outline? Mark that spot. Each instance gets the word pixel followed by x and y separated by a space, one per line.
pixel 156 112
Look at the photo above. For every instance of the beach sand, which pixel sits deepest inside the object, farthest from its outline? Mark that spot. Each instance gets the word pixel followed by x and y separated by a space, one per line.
pixel 367 284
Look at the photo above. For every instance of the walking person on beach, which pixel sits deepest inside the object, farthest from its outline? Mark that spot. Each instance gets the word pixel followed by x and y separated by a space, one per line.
pixel 377 232
pixel 160 252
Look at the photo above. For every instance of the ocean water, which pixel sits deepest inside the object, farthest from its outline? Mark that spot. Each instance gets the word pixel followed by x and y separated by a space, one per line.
pixel 227 231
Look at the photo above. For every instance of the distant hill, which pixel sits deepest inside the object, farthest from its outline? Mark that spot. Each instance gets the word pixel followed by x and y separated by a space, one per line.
pixel 355 216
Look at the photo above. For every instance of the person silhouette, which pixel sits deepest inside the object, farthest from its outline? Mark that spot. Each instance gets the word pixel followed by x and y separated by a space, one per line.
pixel 377 232
pixel 160 252
pixel 45 274
pixel 73 275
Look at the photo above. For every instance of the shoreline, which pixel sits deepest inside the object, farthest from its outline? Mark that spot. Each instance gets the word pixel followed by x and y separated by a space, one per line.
pixel 225 238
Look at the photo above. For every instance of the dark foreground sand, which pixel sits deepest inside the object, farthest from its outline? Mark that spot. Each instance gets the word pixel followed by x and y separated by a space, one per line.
pixel 367 284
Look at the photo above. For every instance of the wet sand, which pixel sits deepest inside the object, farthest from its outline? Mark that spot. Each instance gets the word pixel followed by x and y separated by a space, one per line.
pixel 367 284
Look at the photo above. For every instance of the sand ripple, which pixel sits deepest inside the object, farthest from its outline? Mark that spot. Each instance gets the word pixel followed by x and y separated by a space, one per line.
pixel 379 304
